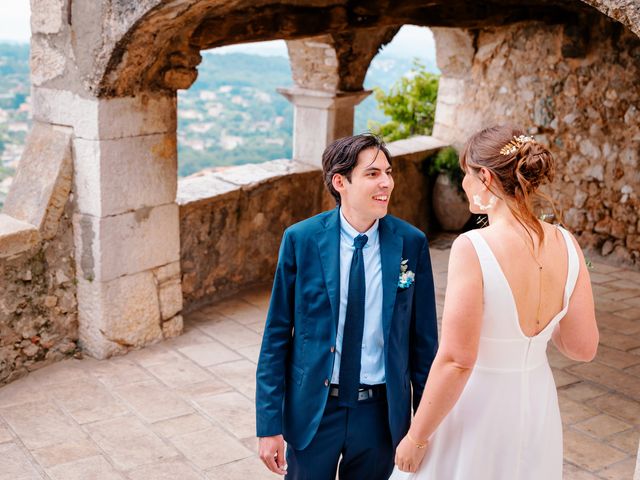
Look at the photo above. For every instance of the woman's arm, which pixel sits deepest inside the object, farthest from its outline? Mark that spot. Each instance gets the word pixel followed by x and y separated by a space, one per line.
pixel 461 325
pixel 576 336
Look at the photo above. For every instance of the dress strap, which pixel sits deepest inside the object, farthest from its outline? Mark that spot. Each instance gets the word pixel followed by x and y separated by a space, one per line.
pixel 484 253
pixel 573 266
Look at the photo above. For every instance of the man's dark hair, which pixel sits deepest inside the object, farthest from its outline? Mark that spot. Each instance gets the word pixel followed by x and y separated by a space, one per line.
pixel 342 157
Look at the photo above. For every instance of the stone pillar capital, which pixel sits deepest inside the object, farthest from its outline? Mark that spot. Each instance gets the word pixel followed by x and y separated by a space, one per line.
pixel 319 118
pixel 305 97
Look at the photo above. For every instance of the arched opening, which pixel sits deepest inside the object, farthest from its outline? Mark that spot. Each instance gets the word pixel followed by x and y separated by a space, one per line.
pixel 395 60
pixel 232 114
pixel 125 171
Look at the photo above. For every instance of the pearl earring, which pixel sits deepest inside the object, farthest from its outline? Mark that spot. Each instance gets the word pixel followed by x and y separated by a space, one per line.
pixel 477 201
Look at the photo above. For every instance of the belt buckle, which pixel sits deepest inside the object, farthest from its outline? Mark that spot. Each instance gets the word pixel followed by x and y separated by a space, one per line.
pixel 365 394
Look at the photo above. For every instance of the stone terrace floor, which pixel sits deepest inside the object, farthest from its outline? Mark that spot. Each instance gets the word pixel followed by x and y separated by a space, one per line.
pixel 183 409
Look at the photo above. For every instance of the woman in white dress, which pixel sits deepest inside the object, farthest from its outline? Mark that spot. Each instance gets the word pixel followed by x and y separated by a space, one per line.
pixel 490 408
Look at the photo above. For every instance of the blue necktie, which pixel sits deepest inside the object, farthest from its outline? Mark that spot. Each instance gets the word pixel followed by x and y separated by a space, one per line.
pixel 349 377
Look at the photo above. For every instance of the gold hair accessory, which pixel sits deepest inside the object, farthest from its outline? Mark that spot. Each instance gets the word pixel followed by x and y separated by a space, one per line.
pixel 515 144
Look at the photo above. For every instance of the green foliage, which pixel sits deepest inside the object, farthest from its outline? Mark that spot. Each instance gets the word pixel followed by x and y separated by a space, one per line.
pixel 410 103
pixel 446 161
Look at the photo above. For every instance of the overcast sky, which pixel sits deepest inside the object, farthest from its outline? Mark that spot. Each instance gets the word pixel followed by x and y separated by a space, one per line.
pixel 409 42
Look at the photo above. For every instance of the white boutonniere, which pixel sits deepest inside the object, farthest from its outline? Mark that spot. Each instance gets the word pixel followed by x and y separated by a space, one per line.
pixel 407 277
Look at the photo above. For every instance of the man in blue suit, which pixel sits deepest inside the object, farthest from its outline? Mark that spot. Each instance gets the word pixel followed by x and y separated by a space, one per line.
pixel 351 328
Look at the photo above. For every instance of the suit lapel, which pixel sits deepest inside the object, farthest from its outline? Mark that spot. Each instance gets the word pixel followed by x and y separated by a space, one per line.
pixel 329 249
pixel 390 258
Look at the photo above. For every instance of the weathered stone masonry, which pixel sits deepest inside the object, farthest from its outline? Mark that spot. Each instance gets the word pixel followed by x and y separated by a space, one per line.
pixel 105 76
pixel 577 92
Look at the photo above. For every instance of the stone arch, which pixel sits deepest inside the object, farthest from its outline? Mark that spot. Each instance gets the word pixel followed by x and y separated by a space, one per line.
pixel 110 71
pixel 155 45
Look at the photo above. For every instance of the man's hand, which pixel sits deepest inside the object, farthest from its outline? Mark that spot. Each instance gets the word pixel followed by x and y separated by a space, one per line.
pixel 271 451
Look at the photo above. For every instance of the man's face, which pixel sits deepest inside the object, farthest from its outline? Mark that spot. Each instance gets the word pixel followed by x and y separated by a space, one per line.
pixel 368 193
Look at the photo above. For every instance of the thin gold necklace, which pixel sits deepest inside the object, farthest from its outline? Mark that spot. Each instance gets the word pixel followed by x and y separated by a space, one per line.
pixel 535 259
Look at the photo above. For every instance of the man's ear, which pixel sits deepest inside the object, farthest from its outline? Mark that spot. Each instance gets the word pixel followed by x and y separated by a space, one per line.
pixel 338 182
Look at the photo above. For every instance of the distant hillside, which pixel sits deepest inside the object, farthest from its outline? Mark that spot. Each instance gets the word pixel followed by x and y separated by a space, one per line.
pixel 232 115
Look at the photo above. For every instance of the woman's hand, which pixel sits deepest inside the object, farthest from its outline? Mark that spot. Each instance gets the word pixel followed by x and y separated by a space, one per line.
pixel 409 454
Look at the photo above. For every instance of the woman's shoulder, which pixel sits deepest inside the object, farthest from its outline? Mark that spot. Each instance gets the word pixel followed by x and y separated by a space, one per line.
pixel 463 247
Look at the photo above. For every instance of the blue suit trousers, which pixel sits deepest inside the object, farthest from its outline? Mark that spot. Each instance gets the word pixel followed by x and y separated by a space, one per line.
pixel 355 442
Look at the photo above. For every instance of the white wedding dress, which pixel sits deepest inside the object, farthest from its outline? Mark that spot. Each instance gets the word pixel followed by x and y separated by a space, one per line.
pixel 506 424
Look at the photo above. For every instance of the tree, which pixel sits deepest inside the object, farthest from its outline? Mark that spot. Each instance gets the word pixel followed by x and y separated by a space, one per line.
pixel 410 103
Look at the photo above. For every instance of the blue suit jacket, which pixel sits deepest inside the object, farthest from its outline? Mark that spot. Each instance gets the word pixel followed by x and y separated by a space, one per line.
pixel 296 358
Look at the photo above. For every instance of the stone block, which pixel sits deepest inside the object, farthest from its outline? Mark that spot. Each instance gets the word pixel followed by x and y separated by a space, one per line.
pixel 173 427
pixel 233 411
pixel 118 315
pixel 153 401
pixel 92 467
pixel 119 175
pixel 129 443
pixel 67 451
pixel 451 90
pixel 105 119
pixel 40 424
pixel 231 334
pixel 173 327
pixel 46 16
pixel 170 296
pixel 415 148
pixel 47 62
pixel 15 463
pixel 16 236
pixel 210 448
pixel 88 401
pixel 252 174
pixel 180 373
pixel 454 51
pixel 202 187
pixel 166 272
pixel 210 353
pixel 588 453
pixel 165 471
pixel 42 183
pixel 132 242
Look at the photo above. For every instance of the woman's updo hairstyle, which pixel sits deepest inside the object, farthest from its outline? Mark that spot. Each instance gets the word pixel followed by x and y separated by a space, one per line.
pixel 519 166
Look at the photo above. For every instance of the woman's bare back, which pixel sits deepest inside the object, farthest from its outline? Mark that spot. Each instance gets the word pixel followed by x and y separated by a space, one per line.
pixel 538 300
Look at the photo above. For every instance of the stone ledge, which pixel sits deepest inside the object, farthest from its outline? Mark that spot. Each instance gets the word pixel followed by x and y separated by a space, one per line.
pixel 42 184
pixel 416 148
pixel 208 184
pixel 16 236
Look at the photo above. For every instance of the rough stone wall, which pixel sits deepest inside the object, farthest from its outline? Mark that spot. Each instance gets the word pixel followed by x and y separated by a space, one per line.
pixel 231 222
pixel 38 309
pixel 578 91
pixel 231 240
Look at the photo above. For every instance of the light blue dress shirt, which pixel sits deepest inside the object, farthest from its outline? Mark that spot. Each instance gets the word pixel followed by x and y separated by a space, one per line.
pixel 372 360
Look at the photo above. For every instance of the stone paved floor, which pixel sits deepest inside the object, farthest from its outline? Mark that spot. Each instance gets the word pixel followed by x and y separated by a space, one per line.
pixel 183 409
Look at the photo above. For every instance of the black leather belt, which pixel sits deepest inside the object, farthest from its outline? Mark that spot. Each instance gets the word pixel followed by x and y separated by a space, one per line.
pixel 365 392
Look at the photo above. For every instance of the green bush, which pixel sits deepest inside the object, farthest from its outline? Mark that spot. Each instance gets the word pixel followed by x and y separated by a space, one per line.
pixel 446 161
pixel 410 103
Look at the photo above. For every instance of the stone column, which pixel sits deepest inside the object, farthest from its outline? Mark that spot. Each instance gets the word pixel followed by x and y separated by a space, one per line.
pixel 454 54
pixel 126 222
pixel 328 72
pixel 319 118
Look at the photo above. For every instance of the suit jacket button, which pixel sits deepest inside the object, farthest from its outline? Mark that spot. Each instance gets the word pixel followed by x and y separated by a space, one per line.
pixel 326 382
pixel 333 348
